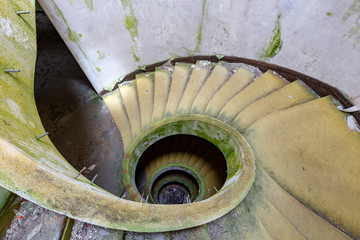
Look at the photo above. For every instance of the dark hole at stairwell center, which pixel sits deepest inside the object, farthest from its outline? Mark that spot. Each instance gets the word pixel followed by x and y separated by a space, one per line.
pixel 173 193
pixel 180 169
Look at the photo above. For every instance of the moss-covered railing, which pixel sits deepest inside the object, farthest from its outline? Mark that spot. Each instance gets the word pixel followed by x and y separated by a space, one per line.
pixel 34 169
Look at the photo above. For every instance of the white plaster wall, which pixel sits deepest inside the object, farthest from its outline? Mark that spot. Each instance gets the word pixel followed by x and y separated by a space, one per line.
pixel 321 38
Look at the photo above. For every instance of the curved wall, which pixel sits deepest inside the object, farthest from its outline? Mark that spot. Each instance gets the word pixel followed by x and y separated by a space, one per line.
pixel 112 38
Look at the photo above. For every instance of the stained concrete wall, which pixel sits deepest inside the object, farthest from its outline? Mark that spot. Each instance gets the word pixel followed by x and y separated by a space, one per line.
pixel 112 38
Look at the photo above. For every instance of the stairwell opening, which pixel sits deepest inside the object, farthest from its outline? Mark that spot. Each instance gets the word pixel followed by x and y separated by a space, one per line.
pixel 220 159
pixel 180 169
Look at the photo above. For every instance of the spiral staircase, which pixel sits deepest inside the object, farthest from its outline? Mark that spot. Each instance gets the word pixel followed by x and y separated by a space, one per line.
pixel 212 147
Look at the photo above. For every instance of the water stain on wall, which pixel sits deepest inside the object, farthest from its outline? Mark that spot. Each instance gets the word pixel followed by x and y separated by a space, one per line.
pixel 199 32
pixel 354 9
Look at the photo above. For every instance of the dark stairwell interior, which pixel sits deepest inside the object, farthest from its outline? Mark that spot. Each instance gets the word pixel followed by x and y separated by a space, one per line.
pixel 78 122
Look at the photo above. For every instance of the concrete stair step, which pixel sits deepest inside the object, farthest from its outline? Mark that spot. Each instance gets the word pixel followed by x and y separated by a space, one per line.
pixel 163 77
pixel 116 106
pixel 238 81
pixel 218 76
pixel 145 92
pixel 198 76
pixel 180 78
pixel 129 95
pixel 264 85
pixel 291 95
pixel 309 160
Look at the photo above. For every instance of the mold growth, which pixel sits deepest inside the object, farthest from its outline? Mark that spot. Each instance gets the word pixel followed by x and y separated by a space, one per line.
pixel 101 55
pixel 199 32
pixel 131 24
pixel 89 4
pixel 133 52
pixel 274 45
pixel 73 36
pixel 10 30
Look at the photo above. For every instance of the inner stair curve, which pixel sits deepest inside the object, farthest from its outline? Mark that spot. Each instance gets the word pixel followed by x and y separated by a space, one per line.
pixel 306 150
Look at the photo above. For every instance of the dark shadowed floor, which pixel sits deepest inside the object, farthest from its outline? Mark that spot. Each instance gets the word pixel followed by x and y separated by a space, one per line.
pixel 78 121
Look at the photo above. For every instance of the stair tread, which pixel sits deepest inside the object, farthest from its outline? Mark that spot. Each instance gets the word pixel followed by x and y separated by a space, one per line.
pixel 198 76
pixel 264 85
pixel 295 136
pixel 240 223
pixel 180 78
pixel 308 160
pixel 130 99
pixel 161 91
pixel 174 146
pixel 306 222
pixel 145 90
pixel 275 223
pixel 239 80
pixel 116 107
pixel 194 144
pixel 218 76
pixel 212 179
pixel 290 95
pixel 198 153
pixel 183 147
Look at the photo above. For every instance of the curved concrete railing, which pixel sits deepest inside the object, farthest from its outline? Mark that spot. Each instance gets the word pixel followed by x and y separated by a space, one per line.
pixel 34 169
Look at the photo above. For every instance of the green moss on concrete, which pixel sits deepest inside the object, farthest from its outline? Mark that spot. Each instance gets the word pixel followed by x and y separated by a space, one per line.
pixel 7 207
pixel 101 55
pixel 329 14
pixel 19 119
pixel 89 4
pixel 131 24
pixel 98 69
pixel 72 35
pixel 133 53
pixel 274 45
pixel 5 195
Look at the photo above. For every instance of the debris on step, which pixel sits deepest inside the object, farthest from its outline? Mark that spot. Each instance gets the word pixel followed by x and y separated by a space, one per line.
pixel 34 222
pixel 85 231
